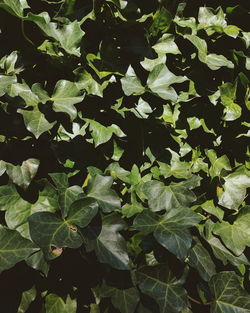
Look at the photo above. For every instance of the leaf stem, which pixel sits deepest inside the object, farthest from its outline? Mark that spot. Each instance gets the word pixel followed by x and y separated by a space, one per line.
pixel 198 302
pixel 25 36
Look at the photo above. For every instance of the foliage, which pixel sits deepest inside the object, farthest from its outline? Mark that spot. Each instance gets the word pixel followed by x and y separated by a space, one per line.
pixel 124 169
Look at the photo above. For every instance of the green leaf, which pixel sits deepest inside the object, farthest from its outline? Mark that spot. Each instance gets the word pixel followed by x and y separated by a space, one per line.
pixel 142 109
pixel 235 236
pixel 217 164
pixel 171 230
pixel 234 188
pixel 36 122
pixel 69 35
pixel 13 248
pixel 161 21
pixel 65 95
pixel 200 259
pixel 125 300
pixel 38 262
pixel 15 7
pixel 60 180
pixel 159 283
pixel 228 95
pixel 166 45
pixel 219 250
pixel 160 79
pixel 161 197
pixel 210 208
pixel 110 246
pixel 68 196
pixel 102 134
pixel 99 188
pixel 5 82
pixel 55 304
pixel 23 175
pixel 27 297
pixel 131 83
pixel 211 22
pixel 228 293
pixel 61 233
pixel 86 82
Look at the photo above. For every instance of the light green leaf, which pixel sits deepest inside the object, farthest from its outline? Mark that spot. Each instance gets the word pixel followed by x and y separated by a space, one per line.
pixel 102 134
pixel 210 208
pixel 171 230
pixel 99 188
pixel 219 250
pixel 69 35
pixel 65 95
pixel 211 22
pixel 86 82
pixel 229 295
pixel 36 122
pixel 160 284
pixel 217 164
pixel 131 83
pixel 13 248
pixel 166 45
pixel 235 188
pixel 149 64
pixel 60 180
pixel 27 297
pixel 228 95
pixel 55 304
pixel 142 109
pixel 215 61
pixel 161 197
pixel 160 79
pixel 235 236
pixel 200 259
pixel 15 7
pixel 5 82
pixel 23 175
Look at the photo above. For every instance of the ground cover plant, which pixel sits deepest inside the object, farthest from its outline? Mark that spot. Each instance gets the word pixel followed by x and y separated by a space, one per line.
pixel 124 167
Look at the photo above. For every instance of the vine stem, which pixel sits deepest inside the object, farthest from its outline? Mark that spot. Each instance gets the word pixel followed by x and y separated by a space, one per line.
pixel 25 36
pixel 198 302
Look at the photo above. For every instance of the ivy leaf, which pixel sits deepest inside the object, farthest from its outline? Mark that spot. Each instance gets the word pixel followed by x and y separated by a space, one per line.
pixel 68 196
pixel 5 82
pixel 219 250
pixel 200 259
pixel 38 262
pixel 13 248
pixel 102 134
pixel 142 109
pixel 131 83
pixel 171 230
pixel 69 35
pixel 159 283
pixel 36 122
pixel 235 236
pixel 160 79
pixel 15 7
pixel 23 175
pixel 60 180
pixel 110 246
pixel 27 297
pixel 55 304
pixel 86 82
pixel 228 96
pixel 210 21
pixel 166 45
pixel 65 95
pixel 61 233
pixel 161 197
pixel 223 285
pixel 217 163
pixel 99 188
pixel 125 300
pixel 235 187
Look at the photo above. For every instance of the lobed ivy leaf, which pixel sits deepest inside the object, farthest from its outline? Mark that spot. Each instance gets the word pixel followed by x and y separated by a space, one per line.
pixel 161 197
pixel 171 230
pixel 61 233
pixel 160 79
pixel 5 83
pixel 13 248
pixel 65 95
pixel 159 283
pixel 28 296
pixel 235 236
pixel 110 246
pixel 54 304
pixel 223 285
pixel 131 83
pixel 99 188
pixel 15 7
pixel 125 300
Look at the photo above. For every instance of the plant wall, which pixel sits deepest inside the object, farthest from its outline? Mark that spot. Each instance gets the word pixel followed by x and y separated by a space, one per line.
pixel 124 167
